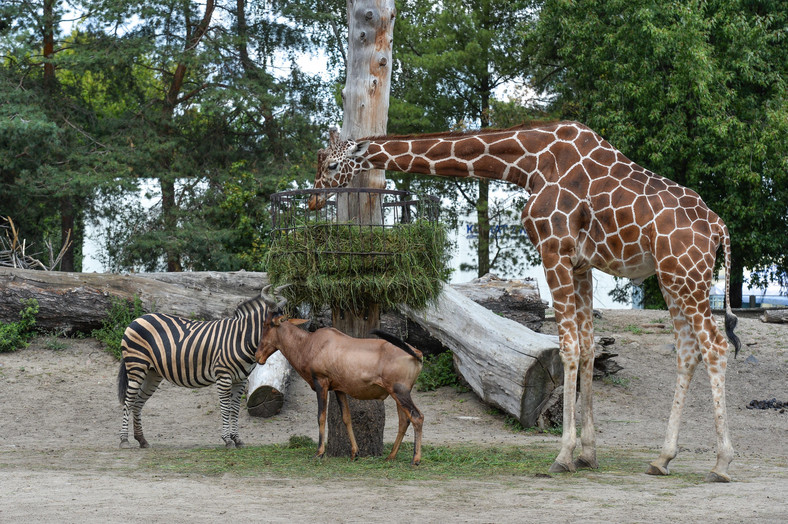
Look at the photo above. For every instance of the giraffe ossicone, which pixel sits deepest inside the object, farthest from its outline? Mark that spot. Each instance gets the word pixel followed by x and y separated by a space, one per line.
pixel 589 207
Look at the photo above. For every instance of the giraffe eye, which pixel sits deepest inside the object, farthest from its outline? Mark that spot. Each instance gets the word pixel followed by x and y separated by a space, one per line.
pixel 332 166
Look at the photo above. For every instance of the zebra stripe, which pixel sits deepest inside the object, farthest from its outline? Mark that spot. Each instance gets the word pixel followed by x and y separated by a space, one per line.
pixel 193 354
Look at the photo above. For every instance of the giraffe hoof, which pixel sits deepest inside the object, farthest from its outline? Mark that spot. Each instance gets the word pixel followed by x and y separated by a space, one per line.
pixel 653 469
pixel 717 477
pixel 557 467
pixel 583 463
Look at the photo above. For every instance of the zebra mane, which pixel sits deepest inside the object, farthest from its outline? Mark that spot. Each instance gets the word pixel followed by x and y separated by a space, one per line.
pixel 250 307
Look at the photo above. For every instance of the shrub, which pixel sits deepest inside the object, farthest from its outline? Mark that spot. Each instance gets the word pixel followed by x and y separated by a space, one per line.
pixel 15 335
pixel 437 371
pixel 121 313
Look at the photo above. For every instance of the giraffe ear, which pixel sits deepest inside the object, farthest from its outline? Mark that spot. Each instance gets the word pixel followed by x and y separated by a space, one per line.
pixel 359 149
pixel 333 136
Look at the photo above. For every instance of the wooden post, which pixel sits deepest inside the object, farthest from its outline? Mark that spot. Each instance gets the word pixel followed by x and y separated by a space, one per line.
pixel 366 104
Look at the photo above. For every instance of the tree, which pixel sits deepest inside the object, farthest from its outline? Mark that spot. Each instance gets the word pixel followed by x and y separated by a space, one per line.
pixel 451 58
pixel 53 138
pixel 693 90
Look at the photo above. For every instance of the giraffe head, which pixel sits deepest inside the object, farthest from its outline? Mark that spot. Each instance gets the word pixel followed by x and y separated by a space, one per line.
pixel 337 165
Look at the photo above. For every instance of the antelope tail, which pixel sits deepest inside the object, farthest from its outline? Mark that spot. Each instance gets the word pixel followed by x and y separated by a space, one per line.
pixel 388 337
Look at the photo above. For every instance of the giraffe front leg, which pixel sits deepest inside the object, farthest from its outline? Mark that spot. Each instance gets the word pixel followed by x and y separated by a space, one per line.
pixel 561 286
pixel 584 302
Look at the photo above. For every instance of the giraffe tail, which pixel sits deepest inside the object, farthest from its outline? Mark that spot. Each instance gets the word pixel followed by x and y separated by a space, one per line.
pixel 730 318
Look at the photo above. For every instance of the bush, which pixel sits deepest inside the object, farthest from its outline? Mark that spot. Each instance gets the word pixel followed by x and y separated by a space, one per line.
pixel 16 335
pixel 437 371
pixel 121 313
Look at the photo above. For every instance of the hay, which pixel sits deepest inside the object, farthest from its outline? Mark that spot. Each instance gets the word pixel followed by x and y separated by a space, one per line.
pixel 350 267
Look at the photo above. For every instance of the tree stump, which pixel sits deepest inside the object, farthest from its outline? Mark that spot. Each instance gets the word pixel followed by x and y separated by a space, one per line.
pixel 267 386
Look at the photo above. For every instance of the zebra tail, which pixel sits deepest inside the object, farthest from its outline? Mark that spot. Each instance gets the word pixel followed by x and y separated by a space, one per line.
pixel 388 337
pixel 123 381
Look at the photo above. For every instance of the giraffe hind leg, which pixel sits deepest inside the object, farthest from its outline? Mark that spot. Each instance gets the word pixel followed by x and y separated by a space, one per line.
pixel 687 357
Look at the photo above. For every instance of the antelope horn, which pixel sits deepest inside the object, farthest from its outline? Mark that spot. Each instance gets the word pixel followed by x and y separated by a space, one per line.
pixel 282 300
pixel 268 299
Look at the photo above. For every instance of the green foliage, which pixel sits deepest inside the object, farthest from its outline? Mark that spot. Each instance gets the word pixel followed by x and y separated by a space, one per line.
pixel 437 371
pixel 453 58
pixel 696 91
pixel 15 335
pixel 121 313
pixel 350 267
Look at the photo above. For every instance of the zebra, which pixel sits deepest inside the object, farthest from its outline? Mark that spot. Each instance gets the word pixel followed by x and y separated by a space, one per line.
pixel 193 354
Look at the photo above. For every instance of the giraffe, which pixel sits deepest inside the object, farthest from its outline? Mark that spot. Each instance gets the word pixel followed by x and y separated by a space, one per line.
pixel 589 207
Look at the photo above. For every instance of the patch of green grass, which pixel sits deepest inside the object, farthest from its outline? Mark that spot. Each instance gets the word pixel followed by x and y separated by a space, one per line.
pixel 616 381
pixel 635 330
pixel 439 463
pixel 54 343
pixel 16 335
pixel 297 459
pixel 121 313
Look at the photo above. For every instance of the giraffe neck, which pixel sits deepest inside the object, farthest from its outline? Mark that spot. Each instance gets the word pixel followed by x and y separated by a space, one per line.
pixel 513 155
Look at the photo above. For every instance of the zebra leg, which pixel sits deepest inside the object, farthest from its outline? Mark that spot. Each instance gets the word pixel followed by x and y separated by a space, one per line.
pixel 235 409
pixel 225 386
pixel 148 387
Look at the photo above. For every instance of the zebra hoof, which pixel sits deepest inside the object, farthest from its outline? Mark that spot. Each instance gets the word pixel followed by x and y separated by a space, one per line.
pixel 124 444
pixel 229 444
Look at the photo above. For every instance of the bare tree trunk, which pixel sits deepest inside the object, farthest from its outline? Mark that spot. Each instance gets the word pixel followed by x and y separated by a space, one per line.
pixel 366 103
pixel 169 204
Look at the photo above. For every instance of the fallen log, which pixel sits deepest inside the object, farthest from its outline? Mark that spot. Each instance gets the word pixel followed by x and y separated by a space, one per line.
pixel 79 302
pixel 506 364
pixel 776 316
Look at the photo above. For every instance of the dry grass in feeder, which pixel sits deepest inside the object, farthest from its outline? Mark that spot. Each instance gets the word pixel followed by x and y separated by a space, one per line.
pixel 351 267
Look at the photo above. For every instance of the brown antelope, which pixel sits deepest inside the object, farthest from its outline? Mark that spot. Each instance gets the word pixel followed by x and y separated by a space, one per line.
pixel 365 369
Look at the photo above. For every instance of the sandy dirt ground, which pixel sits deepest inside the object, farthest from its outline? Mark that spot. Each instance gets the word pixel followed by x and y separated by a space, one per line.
pixel 60 462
